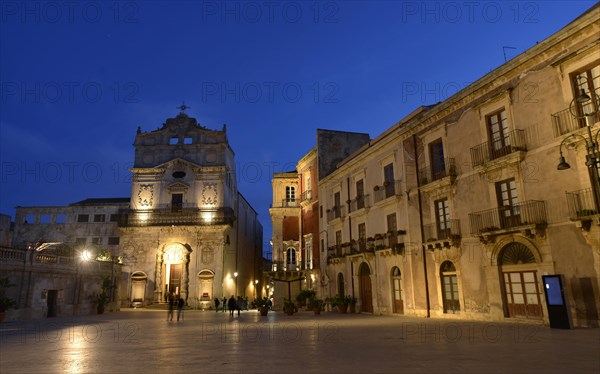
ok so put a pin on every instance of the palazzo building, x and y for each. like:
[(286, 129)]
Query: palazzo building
[(459, 209), (185, 230)]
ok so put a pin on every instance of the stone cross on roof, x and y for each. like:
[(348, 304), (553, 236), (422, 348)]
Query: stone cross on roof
[(183, 107)]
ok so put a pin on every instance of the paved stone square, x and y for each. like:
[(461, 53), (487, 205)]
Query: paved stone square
[(209, 342)]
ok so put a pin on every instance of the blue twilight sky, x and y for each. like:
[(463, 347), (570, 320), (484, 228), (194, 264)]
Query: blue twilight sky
[(77, 79)]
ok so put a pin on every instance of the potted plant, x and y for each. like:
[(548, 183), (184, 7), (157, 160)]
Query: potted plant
[(289, 307), (341, 303), (5, 302), (263, 305), (102, 297), (304, 296), (316, 305)]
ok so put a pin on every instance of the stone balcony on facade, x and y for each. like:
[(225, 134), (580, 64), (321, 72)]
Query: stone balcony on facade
[(528, 217)]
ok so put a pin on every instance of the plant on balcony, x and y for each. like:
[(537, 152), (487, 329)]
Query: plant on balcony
[(378, 236), (379, 247), (376, 188), (386, 183), (5, 302), (586, 212), (346, 244), (490, 228), (400, 232)]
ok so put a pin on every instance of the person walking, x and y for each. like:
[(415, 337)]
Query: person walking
[(180, 304), (171, 306), (231, 305), (239, 304), (224, 303), (217, 303)]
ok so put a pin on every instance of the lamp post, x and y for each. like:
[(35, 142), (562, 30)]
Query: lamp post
[(255, 285), (235, 276), (591, 142)]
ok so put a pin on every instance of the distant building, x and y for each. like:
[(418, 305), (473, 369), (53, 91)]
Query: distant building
[(185, 232)]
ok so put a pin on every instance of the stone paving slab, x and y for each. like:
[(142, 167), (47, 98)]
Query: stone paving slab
[(208, 342)]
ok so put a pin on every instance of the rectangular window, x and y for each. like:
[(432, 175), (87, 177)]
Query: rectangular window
[(187, 140), (497, 125), (45, 218), (442, 217), (392, 228), (322, 245), (509, 211), (30, 218), (61, 218), (80, 242), (97, 241), (362, 236), (114, 218), (176, 202), (173, 141), (388, 180), (587, 80), (113, 240), (320, 211), (337, 205), (99, 217), (82, 218), (436, 157), (360, 194), (338, 237)]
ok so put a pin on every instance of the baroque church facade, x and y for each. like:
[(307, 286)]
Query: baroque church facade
[(185, 231)]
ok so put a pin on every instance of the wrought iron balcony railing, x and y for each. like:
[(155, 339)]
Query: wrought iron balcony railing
[(512, 142), (448, 230), (360, 202), (335, 212), (506, 217), (564, 122), (389, 189), (432, 173), (186, 217), (306, 196), (581, 204)]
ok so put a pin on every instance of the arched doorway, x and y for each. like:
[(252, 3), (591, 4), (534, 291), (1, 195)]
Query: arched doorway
[(174, 268), (205, 286), (340, 285), (366, 294), (397, 299), (449, 281), (138, 288), (521, 291)]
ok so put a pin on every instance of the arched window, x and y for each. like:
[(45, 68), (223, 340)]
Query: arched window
[(291, 256)]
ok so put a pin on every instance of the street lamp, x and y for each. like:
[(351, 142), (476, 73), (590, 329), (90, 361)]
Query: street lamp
[(255, 285), (235, 276), (591, 144)]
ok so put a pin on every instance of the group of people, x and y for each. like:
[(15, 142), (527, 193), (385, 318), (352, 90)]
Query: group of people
[(232, 304), (175, 301)]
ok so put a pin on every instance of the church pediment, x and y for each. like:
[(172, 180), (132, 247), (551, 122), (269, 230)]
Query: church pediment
[(178, 162), (178, 186)]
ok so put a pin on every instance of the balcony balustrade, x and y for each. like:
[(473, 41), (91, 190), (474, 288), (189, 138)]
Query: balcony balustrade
[(564, 122), (581, 204), (485, 152), (532, 212), (168, 217), (433, 173), (389, 189), (360, 202)]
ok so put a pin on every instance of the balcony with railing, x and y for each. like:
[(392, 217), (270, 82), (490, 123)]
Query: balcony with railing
[(445, 172), (360, 202), (442, 234), (489, 151), (564, 122), (389, 189), (526, 216), (335, 213), (582, 205), (287, 203), (306, 196), (183, 217)]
